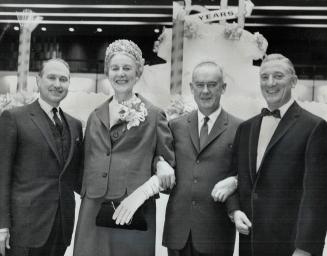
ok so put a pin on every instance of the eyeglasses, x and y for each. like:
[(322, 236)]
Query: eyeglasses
[(210, 85)]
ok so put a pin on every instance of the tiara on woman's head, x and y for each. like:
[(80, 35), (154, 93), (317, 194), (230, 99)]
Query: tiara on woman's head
[(124, 46)]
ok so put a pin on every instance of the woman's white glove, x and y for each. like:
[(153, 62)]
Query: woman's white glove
[(125, 211)]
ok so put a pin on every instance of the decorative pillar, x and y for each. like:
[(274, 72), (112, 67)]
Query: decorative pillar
[(176, 74), (223, 6), (241, 13), (28, 21)]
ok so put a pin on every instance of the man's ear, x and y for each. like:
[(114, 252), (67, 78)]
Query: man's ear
[(191, 87), (294, 81), (223, 88), (38, 78)]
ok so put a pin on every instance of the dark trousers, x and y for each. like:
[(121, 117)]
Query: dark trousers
[(54, 246), (188, 250)]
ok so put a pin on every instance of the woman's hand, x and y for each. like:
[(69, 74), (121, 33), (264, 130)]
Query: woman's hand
[(125, 211)]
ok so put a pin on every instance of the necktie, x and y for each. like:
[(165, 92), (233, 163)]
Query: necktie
[(57, 121), (204, 132), (266, 112)]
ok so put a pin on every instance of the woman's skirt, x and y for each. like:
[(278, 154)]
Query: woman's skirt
[(91, 240)]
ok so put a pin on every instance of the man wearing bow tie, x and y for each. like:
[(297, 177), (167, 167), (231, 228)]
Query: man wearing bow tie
[(40, 161), (281, 159), (197, 223)]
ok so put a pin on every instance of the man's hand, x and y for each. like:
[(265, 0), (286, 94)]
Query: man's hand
[(166, 174), (242, 223), (4, 241), (299, 252), (224, 188)]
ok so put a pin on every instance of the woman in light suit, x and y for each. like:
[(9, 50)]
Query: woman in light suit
[(124, 139)]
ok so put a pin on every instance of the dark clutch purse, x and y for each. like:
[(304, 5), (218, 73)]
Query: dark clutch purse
[(104, 217)]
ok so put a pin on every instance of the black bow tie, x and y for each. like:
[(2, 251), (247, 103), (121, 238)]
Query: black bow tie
[(266, 112)]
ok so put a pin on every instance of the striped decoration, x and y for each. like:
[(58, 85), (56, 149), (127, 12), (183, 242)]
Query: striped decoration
[(176, 75), (223, 6), (28, 22)]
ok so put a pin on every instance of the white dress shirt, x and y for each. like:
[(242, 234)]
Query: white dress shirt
[(47, 108), (212, 119), (267, 129)]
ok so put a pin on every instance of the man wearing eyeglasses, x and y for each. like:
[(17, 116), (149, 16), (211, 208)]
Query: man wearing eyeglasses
[(196, 221)]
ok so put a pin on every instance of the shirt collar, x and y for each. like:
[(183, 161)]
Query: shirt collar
[(47, 108), (212, 117), (283, 109)]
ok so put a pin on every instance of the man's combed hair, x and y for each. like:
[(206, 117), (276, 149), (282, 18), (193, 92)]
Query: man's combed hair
[(44, 63), (279, 57), (210, 63)]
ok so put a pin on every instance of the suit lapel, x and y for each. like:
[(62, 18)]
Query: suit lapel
[(103, 113), (72, 140), (284, 125), (218, 128), (39, 118), (193, 130), (253, 147)]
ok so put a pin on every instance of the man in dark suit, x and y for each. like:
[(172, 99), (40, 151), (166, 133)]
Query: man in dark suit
[(39, 169), (281, 159), (196, 223)]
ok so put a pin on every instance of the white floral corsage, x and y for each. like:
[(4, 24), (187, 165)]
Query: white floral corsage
[(133, 112)]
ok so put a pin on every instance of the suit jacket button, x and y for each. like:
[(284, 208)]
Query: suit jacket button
[(108, 153), (197, 161), (104, 175), (255, 196), (195, 181), (193, 203)]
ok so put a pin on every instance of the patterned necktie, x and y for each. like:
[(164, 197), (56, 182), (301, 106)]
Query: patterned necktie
[(57, 121), (204, 132), (266, 112)]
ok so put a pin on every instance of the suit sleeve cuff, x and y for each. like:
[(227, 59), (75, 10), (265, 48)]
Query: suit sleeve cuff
[(232, 203)]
